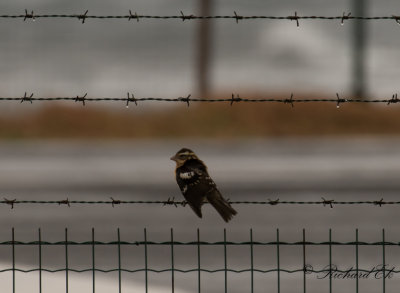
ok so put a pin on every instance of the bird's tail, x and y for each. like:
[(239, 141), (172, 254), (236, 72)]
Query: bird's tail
[(221, 205)]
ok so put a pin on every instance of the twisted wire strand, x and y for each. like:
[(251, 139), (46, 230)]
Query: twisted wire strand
[(195, 243), (172, 202), (191, 270), (183, 17), (187, 100)]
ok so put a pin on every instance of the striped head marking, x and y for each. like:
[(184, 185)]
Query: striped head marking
[(183, 155)]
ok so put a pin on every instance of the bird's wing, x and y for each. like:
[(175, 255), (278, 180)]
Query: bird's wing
[(191, 183), (207, 187)]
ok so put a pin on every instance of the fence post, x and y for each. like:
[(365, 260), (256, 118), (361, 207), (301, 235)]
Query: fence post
[(359, 37), (204, 48)]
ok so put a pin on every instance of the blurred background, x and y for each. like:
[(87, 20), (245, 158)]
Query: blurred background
[(60, 150)]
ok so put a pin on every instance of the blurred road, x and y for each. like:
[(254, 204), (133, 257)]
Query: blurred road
[(288, 169)]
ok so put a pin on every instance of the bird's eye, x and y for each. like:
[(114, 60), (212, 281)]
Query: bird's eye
[(181, 157)]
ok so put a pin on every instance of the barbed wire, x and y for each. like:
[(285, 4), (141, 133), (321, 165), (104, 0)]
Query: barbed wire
[(172, 202), (182, 16), (234, 99)]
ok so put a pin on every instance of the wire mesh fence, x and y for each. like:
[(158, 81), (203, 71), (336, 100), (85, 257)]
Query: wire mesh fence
[(264, 259)]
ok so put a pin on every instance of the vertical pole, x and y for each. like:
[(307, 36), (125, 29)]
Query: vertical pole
[(278, 260), (66, 260), (357, 260), (119, 262), (251, 261), (359, 45), (204, 48), (40, 261), (198, 260), (13, 258), (383, 262), (304, 261), (172, 262), (330, 260), (225, 263), (145, 262), (93, 264)]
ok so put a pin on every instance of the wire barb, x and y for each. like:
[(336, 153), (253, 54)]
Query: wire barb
[(289, 101), (83, 16), (308, 269), (396, 19), (379, 202), (295, 17), (237, 99), (29, 15), (64, 201), (129, 99), (133, 16), (26, 98), (393, 100), (339, 101), (184, 17), (10, 202), (345, 16), (81, 99), (237, 17), (186, 100), (171, 201), (328, 202), (114, 201), (273, 202)]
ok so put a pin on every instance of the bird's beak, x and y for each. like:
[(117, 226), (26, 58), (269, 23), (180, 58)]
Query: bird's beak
[(173, 158)]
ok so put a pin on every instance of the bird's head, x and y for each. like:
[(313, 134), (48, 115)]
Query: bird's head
[(183, 155)]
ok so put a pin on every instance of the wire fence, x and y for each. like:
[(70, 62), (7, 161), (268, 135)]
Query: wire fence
[(172, 202), (271, 266), (234, 99), (182, 16)]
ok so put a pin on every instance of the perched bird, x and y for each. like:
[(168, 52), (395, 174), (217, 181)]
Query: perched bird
[(197, 186)]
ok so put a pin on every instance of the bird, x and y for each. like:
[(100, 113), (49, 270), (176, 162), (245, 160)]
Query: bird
[(197, 186)]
